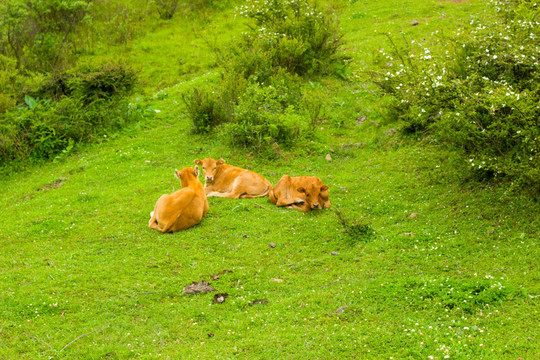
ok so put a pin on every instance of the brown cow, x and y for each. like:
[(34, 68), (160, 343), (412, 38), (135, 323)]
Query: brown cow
[(302, 193), (229, 181), (182, 209)]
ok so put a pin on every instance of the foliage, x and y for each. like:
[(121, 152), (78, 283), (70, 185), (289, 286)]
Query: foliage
[(294, 35), (482, 97), (259, 96), (204, 109), (166, 8), (40, 34), (264, 119), (76, 106), (46, 128), (468, 296)]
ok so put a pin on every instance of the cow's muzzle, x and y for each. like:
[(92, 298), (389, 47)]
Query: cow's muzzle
[(315, 206)]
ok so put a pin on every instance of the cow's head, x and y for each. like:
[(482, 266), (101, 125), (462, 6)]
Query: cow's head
[(315, 194), (210, 168), (187, 175)]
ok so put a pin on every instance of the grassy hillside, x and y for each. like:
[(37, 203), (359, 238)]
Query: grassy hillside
[(429, 264)]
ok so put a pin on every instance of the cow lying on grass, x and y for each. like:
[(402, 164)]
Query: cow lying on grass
[(302, 193), (184, 208), (229, 181)]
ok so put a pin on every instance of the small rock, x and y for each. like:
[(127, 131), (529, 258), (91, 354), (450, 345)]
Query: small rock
[(276, 280), (390, 131), (210, 335), (340, 310), (220, 298), (335, 253), (361, 119), (413, 215), (328, 158), (198, 287), (414, 22), (272, 245)]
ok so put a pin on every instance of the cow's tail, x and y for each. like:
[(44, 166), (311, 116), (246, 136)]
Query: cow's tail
[(265, 193)]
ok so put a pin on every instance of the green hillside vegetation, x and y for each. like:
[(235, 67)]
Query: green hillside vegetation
[(423, 124)]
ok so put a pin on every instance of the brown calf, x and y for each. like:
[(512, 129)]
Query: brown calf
[(304, 193), (182, 209), (229, 181)]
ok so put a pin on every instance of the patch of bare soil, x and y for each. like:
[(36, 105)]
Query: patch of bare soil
[(198, 287)]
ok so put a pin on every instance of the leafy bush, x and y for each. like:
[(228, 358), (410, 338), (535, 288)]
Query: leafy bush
[(259, 100), (293, 35), (76, 107), (166, 8), (40, 34), (263, 120), (89, 83), (46, 128), (204, 109), (481, 96)]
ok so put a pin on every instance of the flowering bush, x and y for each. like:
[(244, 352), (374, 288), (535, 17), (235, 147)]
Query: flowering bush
[(481, 95), (293, 34)]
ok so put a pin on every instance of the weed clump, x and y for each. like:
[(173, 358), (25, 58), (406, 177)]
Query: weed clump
[(357, 229)]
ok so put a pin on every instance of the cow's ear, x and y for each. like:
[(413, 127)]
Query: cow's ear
[(220, 162), (301, 189), (197, 161), (178, 173), (196, 171), (324, 188)]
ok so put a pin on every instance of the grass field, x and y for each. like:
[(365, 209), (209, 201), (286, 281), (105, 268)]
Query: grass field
[(429, 265)]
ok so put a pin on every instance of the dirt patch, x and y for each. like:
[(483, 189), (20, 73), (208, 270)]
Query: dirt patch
[(198, 287), (54, 185)]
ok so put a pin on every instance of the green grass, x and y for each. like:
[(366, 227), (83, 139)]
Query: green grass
[(83, 277)]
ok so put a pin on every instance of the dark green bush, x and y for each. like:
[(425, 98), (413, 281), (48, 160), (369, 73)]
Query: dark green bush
[(89, 83), (46, 128), (166, 8), (41, 34), (205, 110), (293, 35), (262, 121), (75, 107), (481, 96)]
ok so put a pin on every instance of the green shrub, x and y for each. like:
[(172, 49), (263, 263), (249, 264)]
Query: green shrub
[(89, 83), (293, 35), (263, 121), (204, 109), (41, 34), (75, 107), (481, 96)]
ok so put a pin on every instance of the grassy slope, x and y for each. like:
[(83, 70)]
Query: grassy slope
[(78, 262)]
